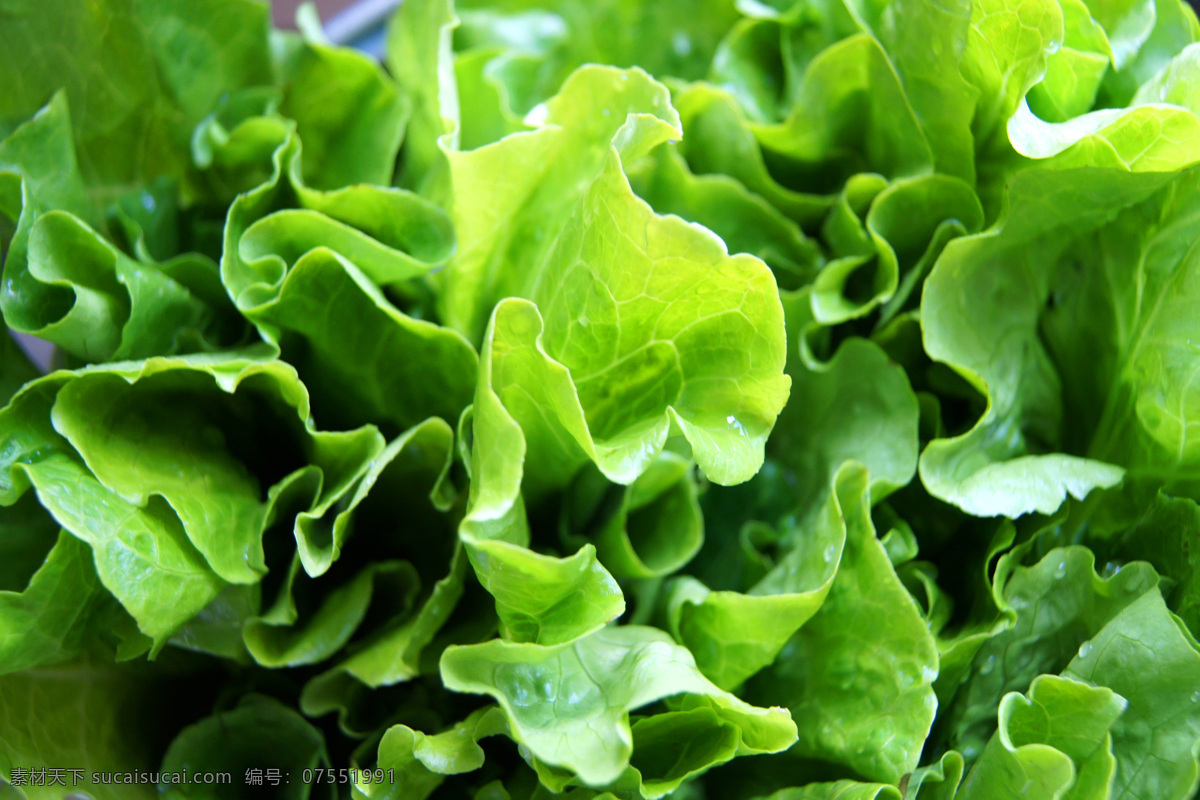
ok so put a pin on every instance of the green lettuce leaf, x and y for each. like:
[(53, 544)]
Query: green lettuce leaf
[(419, 54), (106, 453), (850, 115), (927, 42), (1027, 453), (1148, 657), (1005, 56), (1052, 609), (745, 221), (1174, 28), (547, 401), (734, 635), (323, 602), (50, 620), (1166, 533), (1074, 72), (82, 272), (858, 677), (570, 704), (155, 87), (648, 529), (65, 282), (282, 637), (1053, 742), (412, 473), (283, 264), (348, 112), (422, 760), (719, 140), (937, 781)]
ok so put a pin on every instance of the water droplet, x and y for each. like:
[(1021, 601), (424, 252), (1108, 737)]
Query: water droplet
[(829, 552), (1085, 649), (1111, 569), (1196, 696), (681, 43), (988, 666), (1060, 570)]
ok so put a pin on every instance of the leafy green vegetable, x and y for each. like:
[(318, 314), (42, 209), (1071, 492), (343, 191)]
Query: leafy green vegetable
[(614, 400)]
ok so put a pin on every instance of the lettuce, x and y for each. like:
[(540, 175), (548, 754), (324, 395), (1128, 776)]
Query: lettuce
[(602, 400)]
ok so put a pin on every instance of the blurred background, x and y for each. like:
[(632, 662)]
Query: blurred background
[(284, 11)]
